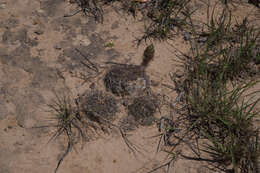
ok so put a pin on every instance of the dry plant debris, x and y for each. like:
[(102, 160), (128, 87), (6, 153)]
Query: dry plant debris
[(98, 106), (69, 123), (143, 109)]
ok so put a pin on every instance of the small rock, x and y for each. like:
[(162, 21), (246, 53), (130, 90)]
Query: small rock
[(39, 32), (92, 86), (18, 143), (254, 2), (3, 112), (115, 25), (154, 83), (81, 40), (202, 39), (179, 74), (3, 5), (58, 46), (40, 11), (12, 22), (253, 68), (125, 102), (186, 36)]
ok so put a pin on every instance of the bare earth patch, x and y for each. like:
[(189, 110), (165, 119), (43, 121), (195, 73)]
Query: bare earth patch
[(42, 52)]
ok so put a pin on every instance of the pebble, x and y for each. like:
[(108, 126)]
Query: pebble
[(3, 5), (81, 40), (39, 32), (186, 36), (58, 46), (202, 39), (125, 102), (155, 83), (179, 74), (92, 86)]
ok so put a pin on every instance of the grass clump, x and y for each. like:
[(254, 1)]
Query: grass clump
[(69, 123), (77, 118), (221, 112), (243, 55), (81, 118), (229, 50), (90, 8), (218, 110), (217, 107), (220, 116), (166, 16)]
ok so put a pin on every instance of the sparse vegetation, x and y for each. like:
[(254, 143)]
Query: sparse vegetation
[(219, 115), (165, 16), (81, 118), (69, 122), (229, 49), (109, 44), (189, 103), (90, 8), (217, 108), (216, 104), (75, 117)]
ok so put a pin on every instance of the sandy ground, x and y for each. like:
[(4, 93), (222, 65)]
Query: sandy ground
[(38, 57)]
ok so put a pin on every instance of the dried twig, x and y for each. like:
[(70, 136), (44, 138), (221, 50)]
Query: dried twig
[(91, 65)]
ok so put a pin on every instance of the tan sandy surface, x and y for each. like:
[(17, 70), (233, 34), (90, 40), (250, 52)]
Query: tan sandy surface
[(38, 57)]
